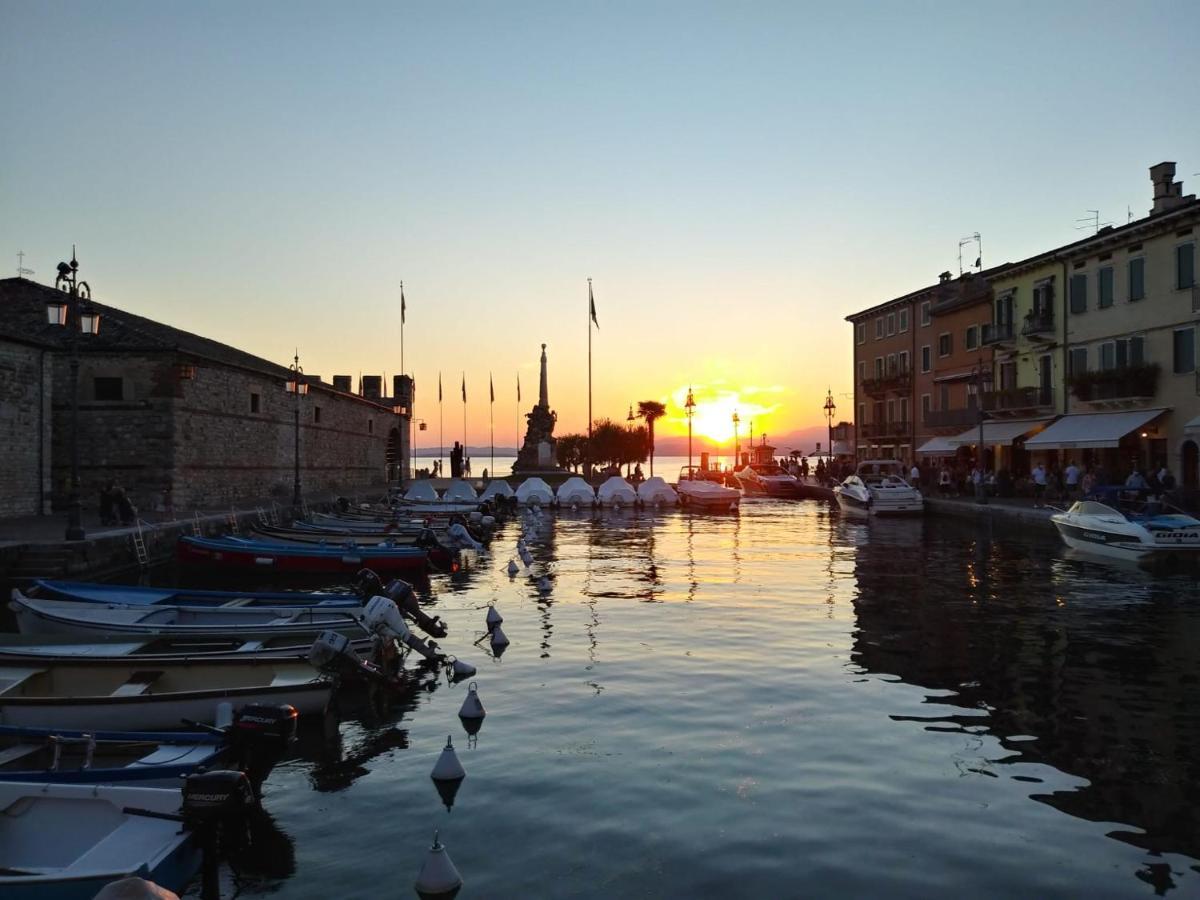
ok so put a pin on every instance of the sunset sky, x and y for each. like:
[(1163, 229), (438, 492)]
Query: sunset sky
[(736, 178)]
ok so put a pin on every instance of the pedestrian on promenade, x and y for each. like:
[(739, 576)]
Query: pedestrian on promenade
[(1088, 484), (944, 481), (1039, 486), (914, 475), (1072, 479)]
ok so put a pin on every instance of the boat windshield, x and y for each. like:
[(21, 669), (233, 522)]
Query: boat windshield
[(888, 480), (1092, 508)]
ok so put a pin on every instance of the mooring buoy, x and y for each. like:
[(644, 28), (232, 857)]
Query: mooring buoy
[(471, 707), (499, 638), (438, 879), (513, 568), (493, 616)]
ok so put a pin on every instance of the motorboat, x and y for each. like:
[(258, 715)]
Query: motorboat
[(767, 480), (497, 487), (275, 556), (697, 492), (48, 649), (137, 595), (460, 492), (616, 491), (1144, 533), (533, 491), (421, 491), (878, 488), (129, 695), (36, 616), (655, 491), (67, 841), (575, 492), (146, 759)]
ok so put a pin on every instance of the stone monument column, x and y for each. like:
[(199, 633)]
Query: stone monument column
[(543, 391)]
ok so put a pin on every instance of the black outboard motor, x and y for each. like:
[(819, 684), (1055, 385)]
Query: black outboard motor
[(367, 584), (260, 735), (427, 540), (402, 594), (215, 806)]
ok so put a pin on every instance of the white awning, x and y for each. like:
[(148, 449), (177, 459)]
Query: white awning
[(1193, 425), (999, 432), (939, 446), (1091, 430)]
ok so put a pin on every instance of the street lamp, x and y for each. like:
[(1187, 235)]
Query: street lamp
[(736, 454), (689, 410), (983, 383), (420, 423), (298, 386), (630, 419), (830, 408), (61, 313)]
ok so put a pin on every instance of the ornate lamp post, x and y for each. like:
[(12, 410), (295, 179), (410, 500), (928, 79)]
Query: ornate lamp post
[(298, 386), (736, 454), (66, 313), (830, 408), (983, 383), (629, 419), (689, 410)]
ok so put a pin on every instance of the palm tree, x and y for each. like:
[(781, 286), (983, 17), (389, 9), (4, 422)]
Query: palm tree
[(651, 410)]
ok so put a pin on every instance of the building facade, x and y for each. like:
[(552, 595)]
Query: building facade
[(180, 421)]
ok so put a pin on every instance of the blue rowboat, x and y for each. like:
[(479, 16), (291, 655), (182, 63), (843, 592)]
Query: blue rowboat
[(134, 595), (272, 556), (137, 758)]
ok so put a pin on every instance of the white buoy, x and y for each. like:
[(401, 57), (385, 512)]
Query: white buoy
[(134, 888), (438, 879), (471, 707), (447, 767), (499, 638), (461, 669), (513, 568), (493, 616)]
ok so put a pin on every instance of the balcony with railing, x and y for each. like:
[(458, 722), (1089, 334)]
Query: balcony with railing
[(996, 333), (1019, 401), (1039, 325), (1121, 387), (957, 419), (893, 379), (897, 429)]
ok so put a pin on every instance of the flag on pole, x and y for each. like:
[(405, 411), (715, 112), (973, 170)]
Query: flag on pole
[(491, 387), (403, 305), (439, 387), (464, 387), (592, 305)]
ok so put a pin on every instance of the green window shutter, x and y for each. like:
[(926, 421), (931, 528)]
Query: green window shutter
[(1079, 293), (1137, 279)]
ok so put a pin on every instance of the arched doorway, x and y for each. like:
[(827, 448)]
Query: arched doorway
[(394, 455), (1190, 461)]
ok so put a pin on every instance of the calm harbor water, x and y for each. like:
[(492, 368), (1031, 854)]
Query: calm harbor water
[(782, 703)]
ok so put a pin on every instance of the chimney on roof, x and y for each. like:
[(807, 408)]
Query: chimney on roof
[(342, 383), (1168, 193), (372, 386), (944, 277)]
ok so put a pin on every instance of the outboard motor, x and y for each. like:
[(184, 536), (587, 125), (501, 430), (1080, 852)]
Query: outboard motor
[(405, 598), (260, 735), (332, 654), (382, 618), (367, 584), (427, 540), (215, 808)]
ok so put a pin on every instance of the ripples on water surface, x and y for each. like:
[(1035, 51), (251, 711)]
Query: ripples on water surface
[(778, 704)]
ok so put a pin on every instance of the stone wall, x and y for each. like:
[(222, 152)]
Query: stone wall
[(229, 447), (24, 429)]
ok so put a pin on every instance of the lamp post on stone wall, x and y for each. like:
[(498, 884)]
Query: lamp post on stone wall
[(830, 408), (298, 386), (75, 315), (736, 420), (689, 409)]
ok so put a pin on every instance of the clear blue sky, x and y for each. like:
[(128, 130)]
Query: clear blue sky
[(735, 177)]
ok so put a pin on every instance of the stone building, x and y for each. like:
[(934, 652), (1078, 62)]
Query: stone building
[(182, 422)]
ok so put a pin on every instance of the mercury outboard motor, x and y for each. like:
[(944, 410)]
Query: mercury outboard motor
[(382, 618), (402, 594), (215, 807), (427, 540), (332, 654), (260, 735), (367, 584)]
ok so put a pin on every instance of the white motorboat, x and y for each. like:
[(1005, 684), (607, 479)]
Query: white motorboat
[(697, 492), (656, 492), (534, 492), (767, 480), (497, 487), (67, 841), (421, 491), (616, 491), (1142, 535), (17, 649), (878, 488), (131, 695), (461, 492), (575, 492), (35, 616)]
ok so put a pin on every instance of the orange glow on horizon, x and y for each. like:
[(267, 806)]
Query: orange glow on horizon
[(715, 407)]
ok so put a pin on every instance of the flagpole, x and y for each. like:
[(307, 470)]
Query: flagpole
[(464, 396), (441, 427), (492, 423), (411, 394), (589, 328)]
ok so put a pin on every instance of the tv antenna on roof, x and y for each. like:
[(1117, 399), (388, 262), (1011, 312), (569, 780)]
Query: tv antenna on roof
[(21, 270), (1092, 221), (978, 252)]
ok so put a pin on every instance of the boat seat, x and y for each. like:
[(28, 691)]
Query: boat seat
[(138, 683), (12, 754)]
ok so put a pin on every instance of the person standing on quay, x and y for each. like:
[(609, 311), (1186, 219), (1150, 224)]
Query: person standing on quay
[(914, 475), (1039, 486), (1072, 479)]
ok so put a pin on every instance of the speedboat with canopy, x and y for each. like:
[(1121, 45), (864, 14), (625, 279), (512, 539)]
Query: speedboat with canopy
[(1138, 533), (697, 492), (878, 488)]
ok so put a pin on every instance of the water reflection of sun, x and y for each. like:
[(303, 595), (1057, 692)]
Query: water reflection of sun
[(714, 414)]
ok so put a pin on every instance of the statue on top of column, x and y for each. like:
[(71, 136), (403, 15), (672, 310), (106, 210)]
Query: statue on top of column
[(537, 452)]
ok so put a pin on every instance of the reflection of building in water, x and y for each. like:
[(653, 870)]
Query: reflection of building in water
[(1107, 688)]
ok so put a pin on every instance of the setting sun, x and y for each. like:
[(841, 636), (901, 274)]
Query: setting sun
[(715, 407)]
